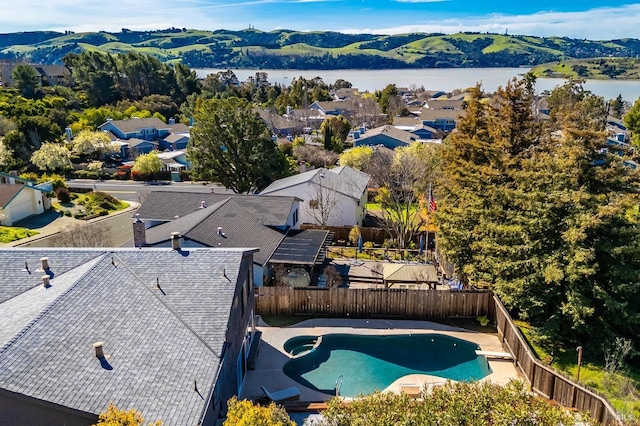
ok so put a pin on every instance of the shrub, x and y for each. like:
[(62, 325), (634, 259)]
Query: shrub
[(58, 181), (368, 244), (67, 213), (63, 195)]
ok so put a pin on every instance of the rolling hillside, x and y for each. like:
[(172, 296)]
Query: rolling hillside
[(280, 49)]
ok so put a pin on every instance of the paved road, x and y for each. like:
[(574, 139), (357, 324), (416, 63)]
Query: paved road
[(120, 225)]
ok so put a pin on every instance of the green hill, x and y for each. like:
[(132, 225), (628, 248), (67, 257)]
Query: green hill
[(316, 50)]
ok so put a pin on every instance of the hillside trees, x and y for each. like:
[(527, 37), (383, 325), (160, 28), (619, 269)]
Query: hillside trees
[(107, 78), (231, 145), (542, 214), (25, 80)]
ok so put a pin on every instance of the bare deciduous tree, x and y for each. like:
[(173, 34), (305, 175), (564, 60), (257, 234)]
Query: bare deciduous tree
[(323, 199), (83, 235)]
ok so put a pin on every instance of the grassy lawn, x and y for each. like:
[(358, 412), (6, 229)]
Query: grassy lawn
[(10, 233), (284, 320), (619, 388)]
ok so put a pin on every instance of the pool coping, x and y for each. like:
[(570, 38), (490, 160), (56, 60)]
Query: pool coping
[(272, 356)]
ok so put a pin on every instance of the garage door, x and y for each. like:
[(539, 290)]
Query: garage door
[(20, 210)]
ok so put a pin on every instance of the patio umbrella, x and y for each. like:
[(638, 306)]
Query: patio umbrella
[(421, 243), (360, 243)]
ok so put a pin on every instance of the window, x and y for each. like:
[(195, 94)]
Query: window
[(295, 217), (314, 204)]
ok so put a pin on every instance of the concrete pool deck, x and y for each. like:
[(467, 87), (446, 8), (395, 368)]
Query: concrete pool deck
[(272, 356)]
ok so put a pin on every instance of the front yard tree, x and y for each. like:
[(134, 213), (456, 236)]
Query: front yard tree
[(147, 164), (51, 156), (93, 144), (231, 145)]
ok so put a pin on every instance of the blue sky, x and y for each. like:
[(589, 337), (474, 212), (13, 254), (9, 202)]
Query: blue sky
[(592, 19)]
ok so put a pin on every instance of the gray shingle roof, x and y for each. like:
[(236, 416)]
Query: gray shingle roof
[(345, 180), (239, 227), (135, 124), (165, 205), (15, 279), (158, 342)]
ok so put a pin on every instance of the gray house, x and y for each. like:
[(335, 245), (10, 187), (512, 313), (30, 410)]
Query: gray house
[(164, 331)]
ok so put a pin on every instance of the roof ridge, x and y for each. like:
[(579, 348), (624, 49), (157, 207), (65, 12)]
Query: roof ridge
[(55, 302), (142, 282)]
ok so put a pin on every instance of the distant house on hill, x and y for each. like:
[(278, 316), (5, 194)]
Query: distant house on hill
[(48, 75), (164, 331)]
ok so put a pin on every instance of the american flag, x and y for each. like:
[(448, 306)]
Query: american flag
[(432, 202)]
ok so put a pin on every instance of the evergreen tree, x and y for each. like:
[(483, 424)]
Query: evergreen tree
[(231, 144)]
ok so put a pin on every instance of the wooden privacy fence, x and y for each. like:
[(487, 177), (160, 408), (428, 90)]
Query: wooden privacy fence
[(437, 305), (544, 380), (373, 303)]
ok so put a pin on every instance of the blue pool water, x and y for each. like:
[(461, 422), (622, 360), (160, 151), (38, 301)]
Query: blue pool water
[(370, 363)]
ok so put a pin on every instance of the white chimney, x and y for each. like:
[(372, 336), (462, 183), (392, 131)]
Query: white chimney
[(99, 348), (45, 263), (175, 240), (46, 283)]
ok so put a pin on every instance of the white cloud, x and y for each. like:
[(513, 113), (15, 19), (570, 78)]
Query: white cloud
[(596, 24)]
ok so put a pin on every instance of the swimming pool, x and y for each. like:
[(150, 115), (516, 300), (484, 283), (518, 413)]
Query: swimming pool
[(369, 363)]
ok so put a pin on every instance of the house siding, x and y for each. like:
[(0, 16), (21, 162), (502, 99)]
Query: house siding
[(240, 317)]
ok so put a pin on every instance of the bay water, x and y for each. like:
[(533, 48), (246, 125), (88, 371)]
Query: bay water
[(445, 79)]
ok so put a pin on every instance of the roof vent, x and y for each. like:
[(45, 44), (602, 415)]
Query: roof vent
[(99, 348), (45, 263), (203, 204), (175, 240), (46, 282), (222, 234)]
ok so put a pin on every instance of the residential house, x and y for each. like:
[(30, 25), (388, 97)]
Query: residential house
[(21, 198), (151, 130), (48, 75), (174, 161), (270, 223), (164, 331), (332, 197), (279, 125), (388, 136), (415, 127), (444, 120), (326, 108)]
